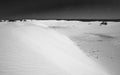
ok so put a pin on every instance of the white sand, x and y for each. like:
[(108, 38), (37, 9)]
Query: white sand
[(28, 49)]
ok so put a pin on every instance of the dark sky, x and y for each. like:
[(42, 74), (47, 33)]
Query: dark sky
[(60, 9)]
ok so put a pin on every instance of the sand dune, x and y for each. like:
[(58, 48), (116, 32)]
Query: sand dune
[(37, 50)]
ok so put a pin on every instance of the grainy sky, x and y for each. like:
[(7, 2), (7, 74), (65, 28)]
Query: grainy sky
[(60, 9)]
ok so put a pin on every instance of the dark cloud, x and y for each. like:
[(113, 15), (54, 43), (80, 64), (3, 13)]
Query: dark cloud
[(16, 8)]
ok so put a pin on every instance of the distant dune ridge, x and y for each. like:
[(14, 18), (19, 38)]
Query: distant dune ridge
[(38, 50)]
